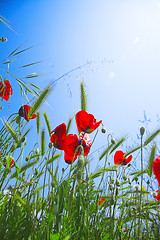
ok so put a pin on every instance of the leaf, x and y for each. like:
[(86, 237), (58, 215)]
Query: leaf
[(53, 158), (105, 152), (137, 173), (39, 101), (24, 168), (100, 171), (118, 144), (11, 131), (43, 142), (83, 97), (151, 137), (150, 162), (131, 151), (38, 189), (47, 123), (68, 126)]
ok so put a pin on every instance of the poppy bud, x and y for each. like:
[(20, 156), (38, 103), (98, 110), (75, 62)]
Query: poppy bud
[(50, 144), (103, 130), (37, 151), (117, 191), (36, 172), (110, 187), (113, 141), (117, 182), (23, 139), (112, 180), (53, 184), (18, 119), (129, 180), (63, 170), (148, 182), (124, 177), (79, 175), (142, 130), (136, 179), (80, 161), (27, 158)]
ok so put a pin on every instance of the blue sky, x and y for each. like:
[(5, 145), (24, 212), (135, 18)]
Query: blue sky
[(120, 41)]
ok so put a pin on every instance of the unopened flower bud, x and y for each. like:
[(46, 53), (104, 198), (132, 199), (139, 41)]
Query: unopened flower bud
[(112, 180), (37, 151), (148, 182), (18, 119), (50, 144), (112, 201), (142, 130), (117, 191), (124, 177), (23, 139), (79, 175), (117, 182), (129, 180), (113, 141), (80, 162), (27, 158), (103, 130)]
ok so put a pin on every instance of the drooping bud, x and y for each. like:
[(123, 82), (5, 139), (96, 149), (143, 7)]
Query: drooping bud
[(27, 158), (113, 141), (117, 182), (37, 151), (80, 162), (124, 177), (103, 130), (79, 175), (117, 191), (50, 144), (142, 130), (18, 119)]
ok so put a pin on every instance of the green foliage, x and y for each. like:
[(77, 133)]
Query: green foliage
[(47, 123), (150, 162)]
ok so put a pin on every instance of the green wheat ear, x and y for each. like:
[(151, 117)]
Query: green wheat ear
[(42, 142), (83, 97), (47, 123), (150, 162), (38, 122)]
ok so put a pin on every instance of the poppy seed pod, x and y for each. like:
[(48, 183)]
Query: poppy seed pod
[(142, 130), (80, 161)]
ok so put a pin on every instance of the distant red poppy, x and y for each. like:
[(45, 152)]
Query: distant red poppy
[(12, 162), (58, 136), (158, 196), (71, 144), (24, 112), (156, 168), (101, 201), (5, 90), (120, 160), (86, 122)]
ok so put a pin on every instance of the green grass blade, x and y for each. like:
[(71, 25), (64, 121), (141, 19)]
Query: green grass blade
[(39, 101), (38, 122), (53, 159), (68, 126), (43, 142), (151, 137)]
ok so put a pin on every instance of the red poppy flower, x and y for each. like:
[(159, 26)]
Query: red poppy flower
[(71, 144), (24, 112), (86, 122), (5, 90), (101, 201), (158, 196), (120, 160), (58, 136), (156, 168)]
